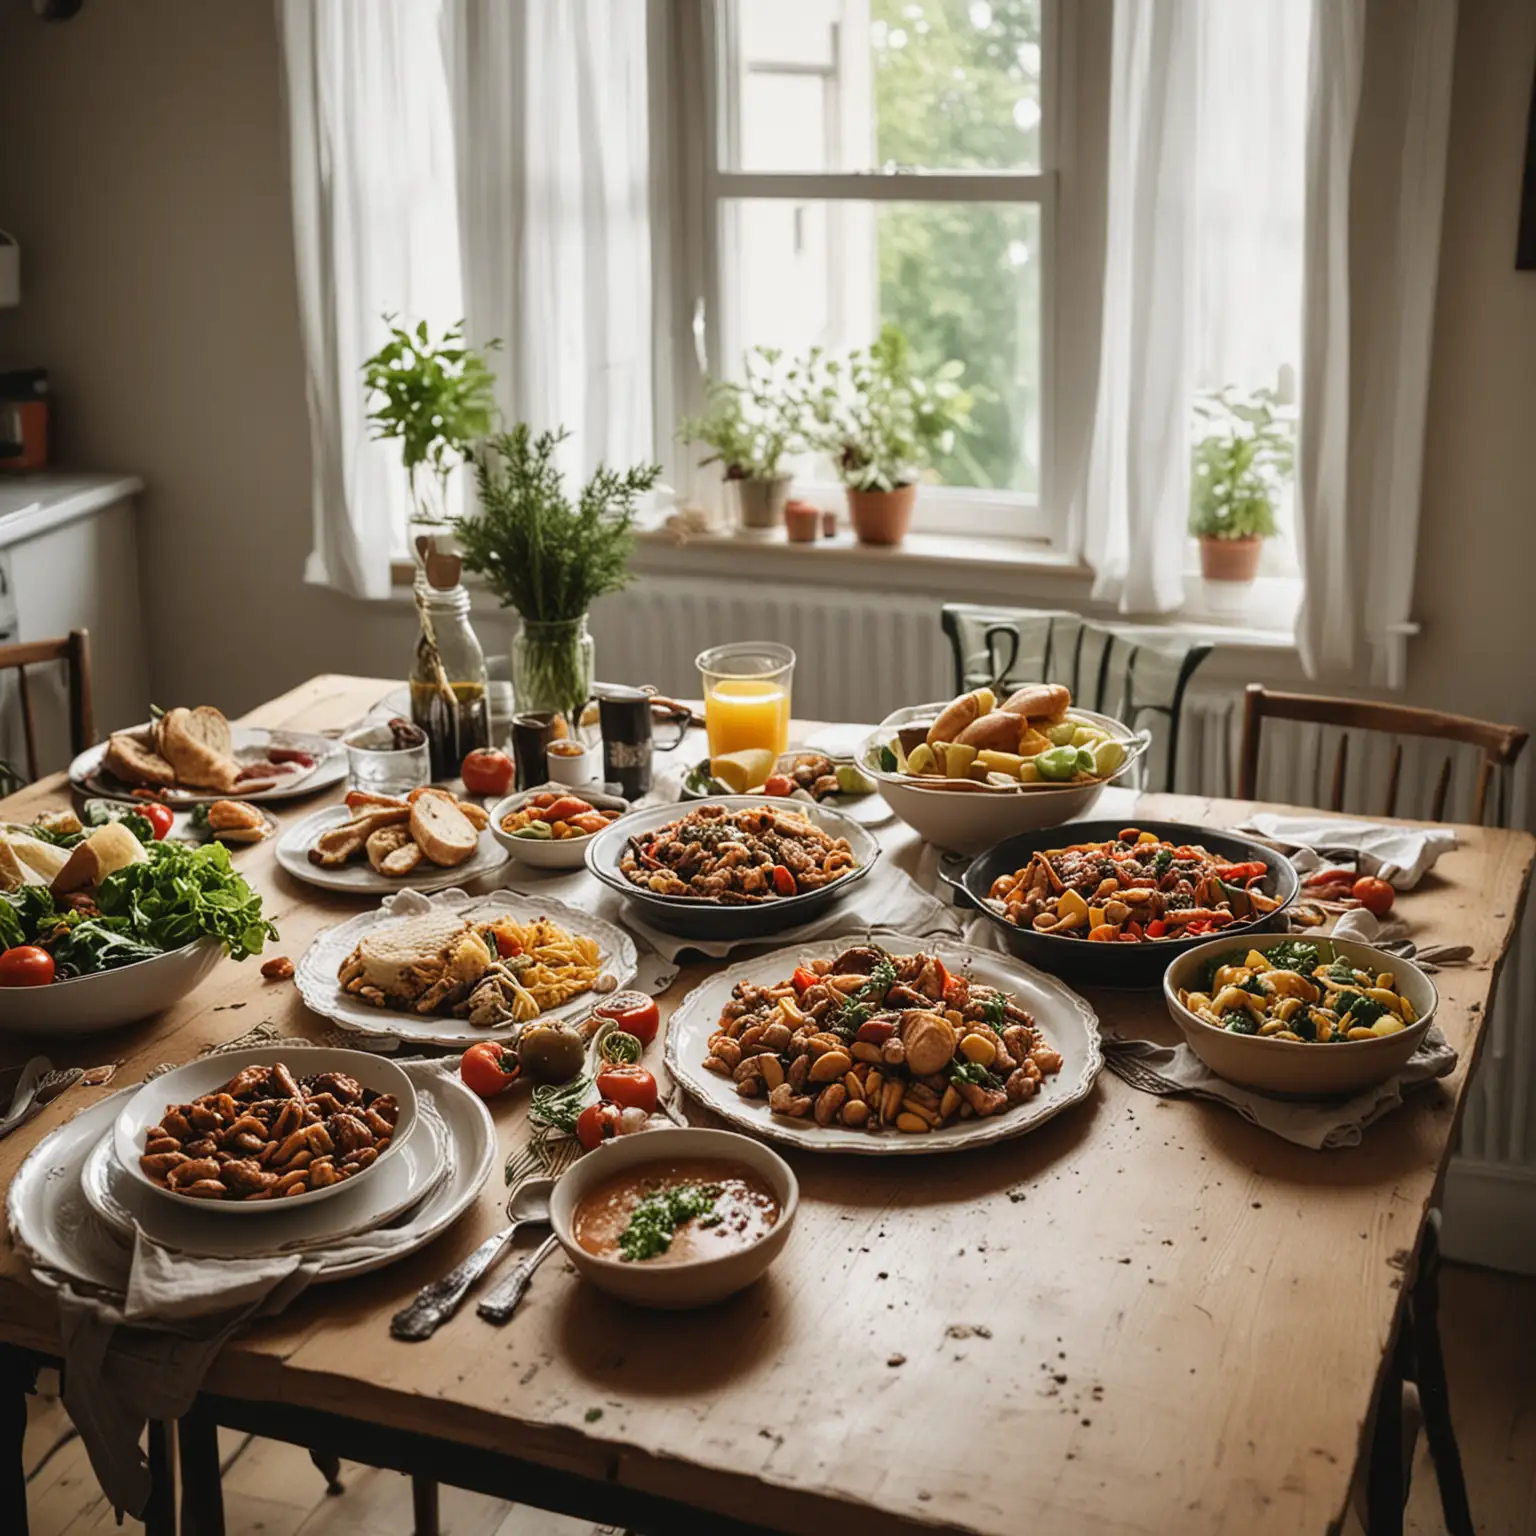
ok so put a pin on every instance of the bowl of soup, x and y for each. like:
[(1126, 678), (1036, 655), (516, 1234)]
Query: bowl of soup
[(675, 1218)]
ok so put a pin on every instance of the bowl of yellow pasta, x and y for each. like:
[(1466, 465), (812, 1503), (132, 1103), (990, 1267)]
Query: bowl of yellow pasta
[(1298, 1016)]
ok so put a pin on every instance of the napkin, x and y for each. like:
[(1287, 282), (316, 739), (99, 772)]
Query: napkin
[(1399, 855), (143, 1354), (1175, 1069)]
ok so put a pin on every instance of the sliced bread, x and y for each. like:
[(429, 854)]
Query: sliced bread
[(441, 830), (134, 762)]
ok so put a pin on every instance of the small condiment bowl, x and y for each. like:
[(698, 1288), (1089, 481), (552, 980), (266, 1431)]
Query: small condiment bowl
[(696, 1282), (547, 853)]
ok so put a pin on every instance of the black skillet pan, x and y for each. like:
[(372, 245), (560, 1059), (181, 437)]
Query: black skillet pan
[(1115, 965)]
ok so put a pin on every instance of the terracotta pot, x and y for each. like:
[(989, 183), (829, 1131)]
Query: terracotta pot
[(802, 522), (1230, 559), (881, 517), (762, 501)]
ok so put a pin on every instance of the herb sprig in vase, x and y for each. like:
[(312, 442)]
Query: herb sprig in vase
[(550, 558)]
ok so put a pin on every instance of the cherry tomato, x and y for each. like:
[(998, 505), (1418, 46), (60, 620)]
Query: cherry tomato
[(486, 1068), (487, 772), (779, 784), (158, 816), (596, 1124), (628, 1087), (783, 881), (634, 1013), (1376, 896), (26, 966)]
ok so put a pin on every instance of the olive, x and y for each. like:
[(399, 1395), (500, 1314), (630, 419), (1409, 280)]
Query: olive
[(551, 1054)]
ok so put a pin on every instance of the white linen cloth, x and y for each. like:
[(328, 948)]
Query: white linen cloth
[(143, 1354), (1372, 262), (1401, 856), (1324, 1126)]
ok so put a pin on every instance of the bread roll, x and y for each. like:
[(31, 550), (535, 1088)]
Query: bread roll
[(1038, 701), (996, 731), (958, 714)]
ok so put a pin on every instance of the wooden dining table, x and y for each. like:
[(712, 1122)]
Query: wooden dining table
[(1146, 1316)]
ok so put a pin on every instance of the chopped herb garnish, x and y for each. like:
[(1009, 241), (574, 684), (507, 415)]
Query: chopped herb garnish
[(973, 1072), (1161, 860), (1342, 971), (658, 1216), (1294, 955), (994, 1010), (861, 1004), (557, 1105)]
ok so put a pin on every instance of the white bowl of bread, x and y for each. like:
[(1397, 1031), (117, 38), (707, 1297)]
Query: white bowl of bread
[(965, 774)]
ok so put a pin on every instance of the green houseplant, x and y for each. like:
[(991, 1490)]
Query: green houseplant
[(882, 424), (749, 426), (548, 557), (1242, 461)]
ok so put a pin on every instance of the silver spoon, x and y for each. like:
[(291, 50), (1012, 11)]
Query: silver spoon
[(499, 1306), (437, 1302)]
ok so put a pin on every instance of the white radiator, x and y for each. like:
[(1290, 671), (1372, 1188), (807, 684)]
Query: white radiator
[(863, 654)]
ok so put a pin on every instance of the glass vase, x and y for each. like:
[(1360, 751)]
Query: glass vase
[(552, 667)]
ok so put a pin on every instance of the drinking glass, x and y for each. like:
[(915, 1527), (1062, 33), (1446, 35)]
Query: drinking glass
[(746, 695), (381, 760)]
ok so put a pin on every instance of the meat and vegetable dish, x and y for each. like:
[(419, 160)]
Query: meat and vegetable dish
[(878, 1041), (556, 818), (736, 857), (268, 1135), (1295, 991), (1132, 889)]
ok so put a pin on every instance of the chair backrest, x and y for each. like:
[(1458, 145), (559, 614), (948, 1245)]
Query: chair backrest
[(74, 650), (1136, 674), (1500, 746)]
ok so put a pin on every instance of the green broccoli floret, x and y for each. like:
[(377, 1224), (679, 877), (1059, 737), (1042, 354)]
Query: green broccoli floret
[(1359, 1012), (1239, 1022)]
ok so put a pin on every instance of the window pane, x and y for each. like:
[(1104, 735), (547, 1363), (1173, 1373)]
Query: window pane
[(961, 279), (930, 84)]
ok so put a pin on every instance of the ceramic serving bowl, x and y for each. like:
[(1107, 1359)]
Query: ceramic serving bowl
[(1299, 1069), (965, 817), (538, 853), (209, 1073), (697, 1283), (87, 1005)]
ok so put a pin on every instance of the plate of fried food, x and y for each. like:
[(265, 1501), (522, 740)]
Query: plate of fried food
[(425, 841), (453, 969), (188, 756), (884, 1044)]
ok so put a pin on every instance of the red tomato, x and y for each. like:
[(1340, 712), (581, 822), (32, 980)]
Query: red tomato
[(158, 816), (486, 1068), (783, 881), (779, 784), (1376, 896), (628, 1087), (487, 772), (596, 1124), (633, 1012), (26, 966)]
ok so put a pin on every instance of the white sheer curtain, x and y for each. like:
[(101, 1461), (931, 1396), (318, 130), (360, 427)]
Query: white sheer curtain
[(1373, 255), (483, 159), (370, 142)]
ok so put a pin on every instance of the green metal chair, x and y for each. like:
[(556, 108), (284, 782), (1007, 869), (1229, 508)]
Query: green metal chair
[(1137, 673)]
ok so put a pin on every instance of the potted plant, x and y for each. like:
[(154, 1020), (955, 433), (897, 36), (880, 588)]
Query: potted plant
[(437, 399), (883, 426), (549, 558), (750, 427), (1241, 465)]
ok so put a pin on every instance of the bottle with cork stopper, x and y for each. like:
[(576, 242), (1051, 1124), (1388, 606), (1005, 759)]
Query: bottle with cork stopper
[(448, 680)]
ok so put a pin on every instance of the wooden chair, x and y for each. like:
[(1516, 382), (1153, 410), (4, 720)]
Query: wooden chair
[(75, 651), (1136, 673), (1500, 745)]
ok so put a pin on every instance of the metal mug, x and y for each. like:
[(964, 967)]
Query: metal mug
[(531, 736), (629, 738)]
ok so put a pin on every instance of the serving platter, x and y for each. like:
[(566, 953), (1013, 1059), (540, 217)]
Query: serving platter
[(1066, 1020), (360, 878), (60, 1235), (251, 745), (316, 980)]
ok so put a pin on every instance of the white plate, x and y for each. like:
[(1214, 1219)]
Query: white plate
[(569, 852), (364, 1204), (60, 1236), (360, 878), (1065, 1019), (251, 744), (318, 986), (207, 1074)]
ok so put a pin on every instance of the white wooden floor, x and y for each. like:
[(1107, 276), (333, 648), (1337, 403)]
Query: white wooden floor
[(1488, 1322)]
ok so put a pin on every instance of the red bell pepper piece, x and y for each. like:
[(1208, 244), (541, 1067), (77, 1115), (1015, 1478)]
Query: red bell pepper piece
[(803, 979), (1156, 929), (783, 881)]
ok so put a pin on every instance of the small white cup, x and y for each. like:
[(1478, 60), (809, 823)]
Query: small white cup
[(572, 762)]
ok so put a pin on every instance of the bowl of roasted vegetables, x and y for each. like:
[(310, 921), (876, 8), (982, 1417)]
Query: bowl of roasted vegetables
[(971, 772), (1112, 904), (1300, 1016), (550, 827)]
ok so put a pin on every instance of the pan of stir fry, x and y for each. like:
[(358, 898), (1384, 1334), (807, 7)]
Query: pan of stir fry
[(736, 867), (1113, 906)]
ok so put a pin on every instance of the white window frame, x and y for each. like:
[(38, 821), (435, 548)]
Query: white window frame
[(692, 189)]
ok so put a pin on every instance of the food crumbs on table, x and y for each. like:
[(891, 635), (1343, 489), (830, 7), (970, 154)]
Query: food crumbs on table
[(592, 1415), (895, 1360)]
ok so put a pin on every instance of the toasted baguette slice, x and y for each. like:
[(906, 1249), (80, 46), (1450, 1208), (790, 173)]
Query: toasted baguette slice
[(130, 760), (402, 861), (107, 850), (184, 740), (385, 841), (442, 831), (212, 729)]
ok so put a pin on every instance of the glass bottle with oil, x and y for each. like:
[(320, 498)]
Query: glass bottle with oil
[(448, 681)]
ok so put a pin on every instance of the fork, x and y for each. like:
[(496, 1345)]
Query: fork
[(49, 1086)]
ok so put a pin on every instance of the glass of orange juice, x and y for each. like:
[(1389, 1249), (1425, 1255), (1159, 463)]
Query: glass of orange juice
[(746, 695)]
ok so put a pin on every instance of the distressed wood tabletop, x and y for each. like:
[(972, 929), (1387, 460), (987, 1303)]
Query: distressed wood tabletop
[(1147, 1316)]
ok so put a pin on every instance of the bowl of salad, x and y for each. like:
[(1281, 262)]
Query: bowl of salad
[(103, 925), (550, 826)]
